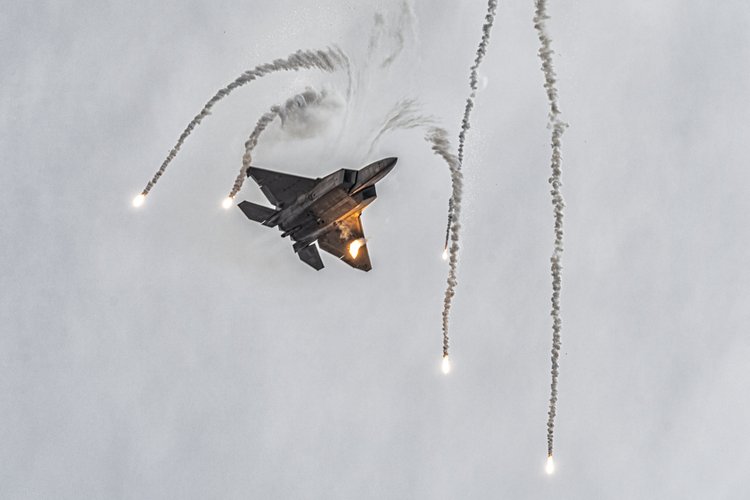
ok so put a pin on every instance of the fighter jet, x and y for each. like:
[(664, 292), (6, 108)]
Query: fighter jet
[(325, 210)]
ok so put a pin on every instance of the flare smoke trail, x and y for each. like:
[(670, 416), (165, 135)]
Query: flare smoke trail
[(405, 116), (307, 98), (450, 218), (328, 60), (395, 31), (558, 127), (441, 147), (438, 138), (489, 20)]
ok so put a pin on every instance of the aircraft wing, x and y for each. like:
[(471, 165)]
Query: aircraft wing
[(337, 242), (281, 189)]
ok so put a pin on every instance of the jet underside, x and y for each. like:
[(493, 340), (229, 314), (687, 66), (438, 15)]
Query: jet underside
[(325, 210)]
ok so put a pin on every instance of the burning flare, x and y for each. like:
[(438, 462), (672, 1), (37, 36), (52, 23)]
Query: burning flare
[(138, 200), (446, 365), (550, 467), (445, 254), (354, 247), (227, 203)]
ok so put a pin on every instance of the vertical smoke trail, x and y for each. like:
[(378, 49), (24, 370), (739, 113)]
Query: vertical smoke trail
[(307, 98), (558, 127), (489, 20), (450, 218), (328, 60), (441, 147)]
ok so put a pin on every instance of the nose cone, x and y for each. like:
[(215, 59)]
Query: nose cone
[(387, 165), (373, 172)]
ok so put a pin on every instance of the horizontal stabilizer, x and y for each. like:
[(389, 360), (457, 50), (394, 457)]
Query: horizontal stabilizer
[(257, 212), (310, 256)]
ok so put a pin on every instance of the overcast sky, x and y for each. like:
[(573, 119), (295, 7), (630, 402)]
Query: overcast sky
[(182, 351)]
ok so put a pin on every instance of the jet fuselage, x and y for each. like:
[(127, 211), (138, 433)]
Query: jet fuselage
[(308, 209)]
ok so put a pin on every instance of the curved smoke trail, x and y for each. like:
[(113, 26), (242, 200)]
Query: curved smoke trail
[(438, 138), (307, 98), (328, 60), (405, 116), (558, 127)]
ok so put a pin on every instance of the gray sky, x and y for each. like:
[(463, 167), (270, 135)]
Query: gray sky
[(180, 351)]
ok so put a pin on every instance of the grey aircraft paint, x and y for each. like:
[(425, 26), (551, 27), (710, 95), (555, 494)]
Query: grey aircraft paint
[(325, 210)]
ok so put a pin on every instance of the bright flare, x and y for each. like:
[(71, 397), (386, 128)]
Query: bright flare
[(446, 365), (354, 247), (550, 467), (227, 203), (445, 254), (138, 200)]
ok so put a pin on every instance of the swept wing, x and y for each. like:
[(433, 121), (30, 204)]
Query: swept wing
[(281, 189), (338, 241)]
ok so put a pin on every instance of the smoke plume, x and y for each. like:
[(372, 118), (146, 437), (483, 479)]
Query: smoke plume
[(558, 127), (328, 60), (450, 218), (438, 139), (393, 32), (293, 111), (405, 115)]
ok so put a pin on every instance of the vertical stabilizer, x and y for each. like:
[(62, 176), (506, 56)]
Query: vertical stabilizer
[(310, 256)]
